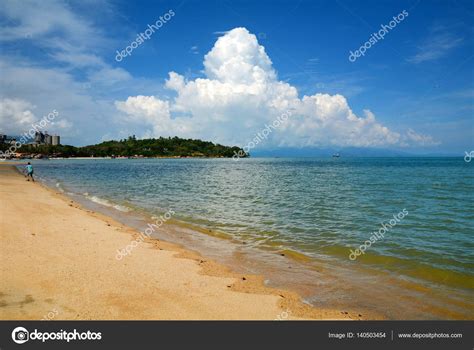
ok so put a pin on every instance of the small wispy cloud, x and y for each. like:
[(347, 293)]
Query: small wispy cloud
[(423, 140), (220, 32), (439, 44), (194, 50)]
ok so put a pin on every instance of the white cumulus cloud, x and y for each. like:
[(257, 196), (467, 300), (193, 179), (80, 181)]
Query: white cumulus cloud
[(15, 114), (241, 93), (17, 117)]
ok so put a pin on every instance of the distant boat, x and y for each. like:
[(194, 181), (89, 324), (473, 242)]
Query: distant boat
[(336, 155)]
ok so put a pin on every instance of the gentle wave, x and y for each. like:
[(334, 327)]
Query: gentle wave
[(107, 203), (59, 187)]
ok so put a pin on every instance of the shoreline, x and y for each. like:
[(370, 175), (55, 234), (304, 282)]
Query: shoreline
[(62, 258), (46, 157)]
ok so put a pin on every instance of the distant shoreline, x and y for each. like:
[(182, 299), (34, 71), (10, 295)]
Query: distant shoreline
[(128, 148), (112, 158), (253, 157)]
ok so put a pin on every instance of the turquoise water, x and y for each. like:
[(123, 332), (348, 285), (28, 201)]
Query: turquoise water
[(321, 208)]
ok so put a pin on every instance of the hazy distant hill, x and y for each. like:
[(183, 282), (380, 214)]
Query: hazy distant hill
[(344, 152)]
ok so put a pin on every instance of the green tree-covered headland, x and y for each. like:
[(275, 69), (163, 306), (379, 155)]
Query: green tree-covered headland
[(131, 147)]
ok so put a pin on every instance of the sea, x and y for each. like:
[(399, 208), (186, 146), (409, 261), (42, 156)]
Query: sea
[(388, 238)]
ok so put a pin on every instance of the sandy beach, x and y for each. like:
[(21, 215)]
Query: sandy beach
[(58, 262)]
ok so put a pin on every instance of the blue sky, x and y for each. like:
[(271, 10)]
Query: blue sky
[(411, 91)]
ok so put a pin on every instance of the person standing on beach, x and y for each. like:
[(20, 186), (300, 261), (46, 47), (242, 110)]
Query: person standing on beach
[(29, 172)]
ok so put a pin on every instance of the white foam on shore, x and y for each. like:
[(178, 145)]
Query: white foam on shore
[(58, 186), (107, 203), (94, 199)]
